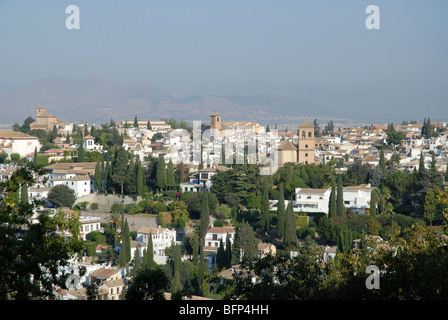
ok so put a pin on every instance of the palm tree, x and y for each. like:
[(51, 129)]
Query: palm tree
[(115, 220)]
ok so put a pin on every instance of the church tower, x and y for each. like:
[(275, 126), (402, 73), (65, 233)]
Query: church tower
[(305, 151)]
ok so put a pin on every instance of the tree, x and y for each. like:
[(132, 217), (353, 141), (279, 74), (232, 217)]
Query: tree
[(149, 284), (245, 244), (31, 260), (131, 178), (382, 163), (62, 196), (176, 284), (125, 251), (81, 153), (332, 201), (430, 206), (281, 212), (340, 208), (135, 122), (290, 240), (98, 177), (24, 194), (170, 181), (265, 221), (139, 178), (205, 219), (221, 256), (373, 202), (119, 168), (161, 174)]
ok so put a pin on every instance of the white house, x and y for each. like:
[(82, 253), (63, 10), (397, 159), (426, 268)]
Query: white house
[(215, 235), (312, 200), (82, 185), (162, 238), (356, 198), (18, 142), (201, 180), (88, 224), (89, 144)]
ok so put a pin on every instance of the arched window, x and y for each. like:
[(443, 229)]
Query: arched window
[(309, 134)]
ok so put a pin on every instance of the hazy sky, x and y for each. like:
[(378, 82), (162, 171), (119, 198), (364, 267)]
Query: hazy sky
[(182, 45)]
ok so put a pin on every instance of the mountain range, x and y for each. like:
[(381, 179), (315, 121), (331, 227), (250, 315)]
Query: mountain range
[(96, 100)]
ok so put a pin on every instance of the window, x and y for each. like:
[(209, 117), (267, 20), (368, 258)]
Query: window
[(306, 146), (346, 202)]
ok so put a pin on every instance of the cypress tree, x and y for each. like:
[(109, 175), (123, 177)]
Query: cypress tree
[(135, 122), (35, 159), (176, 284), (421, 164), (195, 246), (170, 181), (139, 178), (265, 207), (290, 227), (161, 180), (228, 261), (221, 256), (131, 178), (137, 262), (150, 262), (373, 202), (81, 153), (382, 163), (340, 208), (332, 201), (98, 177), (24, 194), (205, 219), (107, 177), (119, 168), (281, 212)]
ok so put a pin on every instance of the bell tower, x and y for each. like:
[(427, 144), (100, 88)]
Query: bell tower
[(305, 151)]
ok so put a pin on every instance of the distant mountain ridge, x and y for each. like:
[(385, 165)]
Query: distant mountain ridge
[(97, 100)]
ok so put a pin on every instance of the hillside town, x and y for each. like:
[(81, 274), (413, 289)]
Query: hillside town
[(204, 202)]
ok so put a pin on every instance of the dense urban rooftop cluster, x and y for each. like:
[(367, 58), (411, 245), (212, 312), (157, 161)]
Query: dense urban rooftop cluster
[(149, 199)]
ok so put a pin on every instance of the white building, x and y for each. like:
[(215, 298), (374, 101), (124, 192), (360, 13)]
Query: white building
[(89, 144), (162, 238), (312, 200), (82, 185), (356, 198), (18, 142), (88, 224), (214, 236)]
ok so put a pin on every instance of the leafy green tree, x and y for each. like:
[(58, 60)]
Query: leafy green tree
[(62, 196), (245, 244), (149, 284), (24, 194), (30, 261)]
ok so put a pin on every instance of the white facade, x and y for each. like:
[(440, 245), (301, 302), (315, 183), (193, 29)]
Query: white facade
[(88, 224), (215, 235), (162, 238), (18, 142), (89, 144), (81, 185), (356, 198), (312, 200)]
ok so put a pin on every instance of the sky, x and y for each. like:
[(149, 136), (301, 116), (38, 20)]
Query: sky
[(186, 46)]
